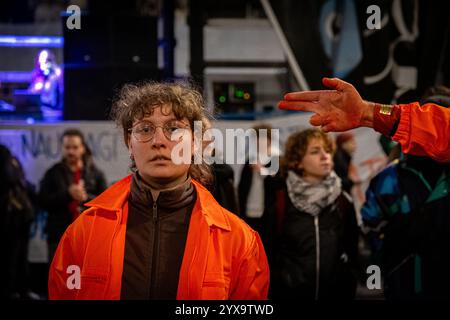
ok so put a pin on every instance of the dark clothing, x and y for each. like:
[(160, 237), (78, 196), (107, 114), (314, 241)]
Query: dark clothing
[(16, 218), (224, 191), (407, 215), (312, 257), (17, 200), (55, 198), (155, 240), (245, 183), (342, 162), (244, 186)]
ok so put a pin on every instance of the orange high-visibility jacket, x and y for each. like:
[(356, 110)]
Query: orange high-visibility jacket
[(424, 131), (223, 258)]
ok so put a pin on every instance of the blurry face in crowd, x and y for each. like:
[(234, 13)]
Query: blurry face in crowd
[(72, 149), (317, 162), (153, 157), (349, 146)]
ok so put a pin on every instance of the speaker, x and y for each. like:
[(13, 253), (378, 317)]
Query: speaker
[(89, 91), (107, 52), (111, 40), (134, 40)]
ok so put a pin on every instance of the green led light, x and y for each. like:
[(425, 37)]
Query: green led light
[(239, 93), (222, 99)]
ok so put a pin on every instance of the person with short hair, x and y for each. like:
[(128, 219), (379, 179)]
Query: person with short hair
[(67, 185)]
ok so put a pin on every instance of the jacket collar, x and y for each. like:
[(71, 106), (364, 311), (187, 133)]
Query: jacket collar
[(212, 211), (113, 199), (143, 196)]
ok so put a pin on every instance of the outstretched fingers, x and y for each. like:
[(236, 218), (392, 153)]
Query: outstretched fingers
[(300, 106), (307, 95)]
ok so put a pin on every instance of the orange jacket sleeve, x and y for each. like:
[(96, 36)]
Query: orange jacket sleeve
[(424, 131), (421, 130)]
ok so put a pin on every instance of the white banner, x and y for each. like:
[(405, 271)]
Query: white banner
[(38, 146)]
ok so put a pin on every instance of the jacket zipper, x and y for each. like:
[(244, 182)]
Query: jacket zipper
[(155, 246), (316, 227), (155, 212)]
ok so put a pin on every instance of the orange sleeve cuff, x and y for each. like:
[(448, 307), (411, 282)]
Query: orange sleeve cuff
[(424, 131), (403, 133)]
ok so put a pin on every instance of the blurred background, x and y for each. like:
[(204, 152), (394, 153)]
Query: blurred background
[(61, 67)]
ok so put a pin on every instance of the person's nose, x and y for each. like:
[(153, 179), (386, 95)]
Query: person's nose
[(159, 139), (323, 155)]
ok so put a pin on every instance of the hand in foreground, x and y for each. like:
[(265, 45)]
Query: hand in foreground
[(340, 109)]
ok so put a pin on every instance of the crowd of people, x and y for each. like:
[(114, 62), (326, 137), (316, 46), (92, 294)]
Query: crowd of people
[(183, 231)]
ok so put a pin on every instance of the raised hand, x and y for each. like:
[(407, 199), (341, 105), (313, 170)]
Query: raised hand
[(77, 192), (340, 109)]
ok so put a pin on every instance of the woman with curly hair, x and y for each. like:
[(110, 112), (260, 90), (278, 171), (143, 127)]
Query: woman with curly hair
[(316, 229), (159, 233)]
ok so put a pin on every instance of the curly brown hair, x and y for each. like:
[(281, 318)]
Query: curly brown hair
[(296, 146), (134, 102)]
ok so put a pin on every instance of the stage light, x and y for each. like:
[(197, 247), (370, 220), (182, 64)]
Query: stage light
[(31, 41), (38, 85)]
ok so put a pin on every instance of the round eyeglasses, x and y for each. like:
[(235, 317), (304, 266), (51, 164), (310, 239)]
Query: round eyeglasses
[(144, 131)]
